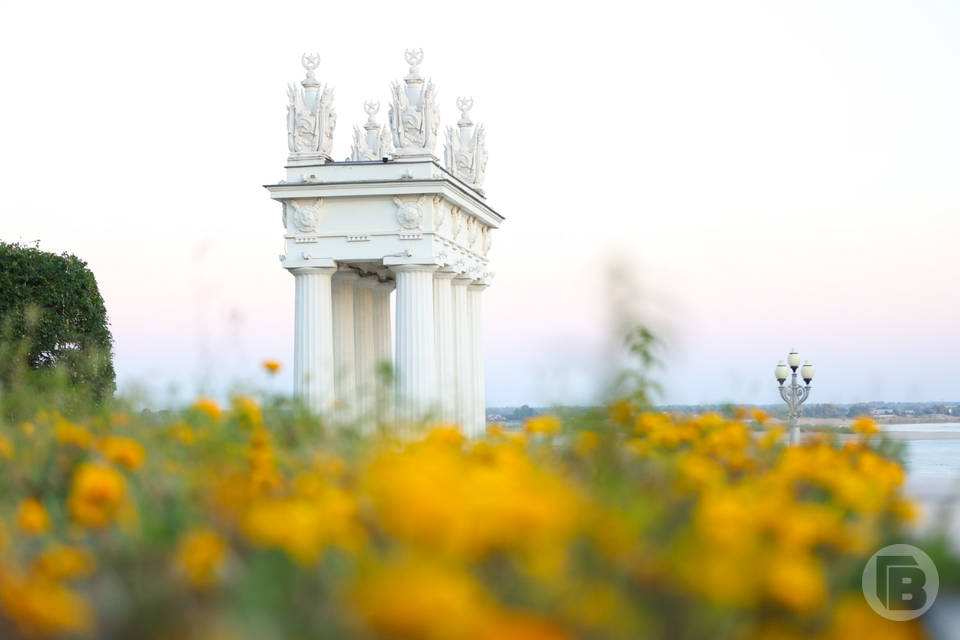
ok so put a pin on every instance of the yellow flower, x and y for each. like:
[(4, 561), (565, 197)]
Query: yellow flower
[(545, 424), (304, 527), (6, 447), (119, 419), (864, 425), (32, 517), (68, 433), (207, 406), (41, 607), (27, 428), (182, 432), (271, 366), (248, 412), (96, 495), (125, 452), (200, 557), (797, 581), (759, 415), (437, 602), (61, 562), (586, 442)]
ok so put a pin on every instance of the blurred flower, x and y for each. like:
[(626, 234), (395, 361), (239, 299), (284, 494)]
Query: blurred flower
[(125, 452), (271, 366), (247, 411), (200, 557), (96, 495), (545, 424), (207, 406), (6, 447), (864, 425), (32, 517), (60, 562), (72, 434), (41, 607)]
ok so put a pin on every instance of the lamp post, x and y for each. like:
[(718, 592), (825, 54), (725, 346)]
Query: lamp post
[(793, 394)]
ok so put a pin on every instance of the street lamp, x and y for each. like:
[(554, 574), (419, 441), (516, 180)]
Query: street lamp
[(793, 394)]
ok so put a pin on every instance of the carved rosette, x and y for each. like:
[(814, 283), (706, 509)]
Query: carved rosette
[(410, 214), (414, 114), (311, 119), (465, 152), (305, 217)]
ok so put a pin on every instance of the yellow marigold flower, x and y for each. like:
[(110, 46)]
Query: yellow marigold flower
[(621, 411), (447, 434), (27, 428), (32, 517), (182, 432), (41, 607), (125, 452), (247, 411), (304, 527), (200, 557), (546, 424), (437, 602), (61, 562), (797, 581), (495, 430), (759, 415), (207, 406), (586, 443), (96, 495), (119, 419), (853, 618), (864, 425), (271, 366), (73, 434), (6, 447)]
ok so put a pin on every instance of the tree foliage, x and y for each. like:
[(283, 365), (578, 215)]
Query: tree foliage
[(53, 317)]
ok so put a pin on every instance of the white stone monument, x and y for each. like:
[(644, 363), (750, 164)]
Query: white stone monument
[(390, 217)]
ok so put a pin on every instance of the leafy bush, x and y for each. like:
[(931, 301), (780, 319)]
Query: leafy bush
[(52, 316)]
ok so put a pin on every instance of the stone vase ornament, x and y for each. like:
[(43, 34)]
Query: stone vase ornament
[(414, 114), (311, 119)]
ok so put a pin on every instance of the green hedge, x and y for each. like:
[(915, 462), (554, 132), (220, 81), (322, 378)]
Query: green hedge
[(52, 317)]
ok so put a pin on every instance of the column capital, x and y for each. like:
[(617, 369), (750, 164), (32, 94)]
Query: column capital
[(385, 285), (398, 268), (367, 281), (305, 270), (445, 274), (346, 273), (461, 279), (478, 284)]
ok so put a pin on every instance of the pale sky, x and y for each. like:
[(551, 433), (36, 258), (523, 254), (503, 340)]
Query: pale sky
[(774, 174)]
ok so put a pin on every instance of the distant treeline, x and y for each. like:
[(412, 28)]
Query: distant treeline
[(822, 410)]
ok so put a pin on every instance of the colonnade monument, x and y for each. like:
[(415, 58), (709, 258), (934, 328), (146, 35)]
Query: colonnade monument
[(390, 217)]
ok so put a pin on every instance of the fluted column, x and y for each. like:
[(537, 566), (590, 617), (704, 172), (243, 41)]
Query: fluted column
[(344, 353), (364, 344), (383, 334), (313, 368), (443, 330), (462, 355), (478, 423), (415, 363)]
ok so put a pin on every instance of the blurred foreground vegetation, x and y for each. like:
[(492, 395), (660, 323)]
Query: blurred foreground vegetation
[(258, 521)]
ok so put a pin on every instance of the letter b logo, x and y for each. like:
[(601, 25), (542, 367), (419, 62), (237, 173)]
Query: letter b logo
[(900, 582)]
